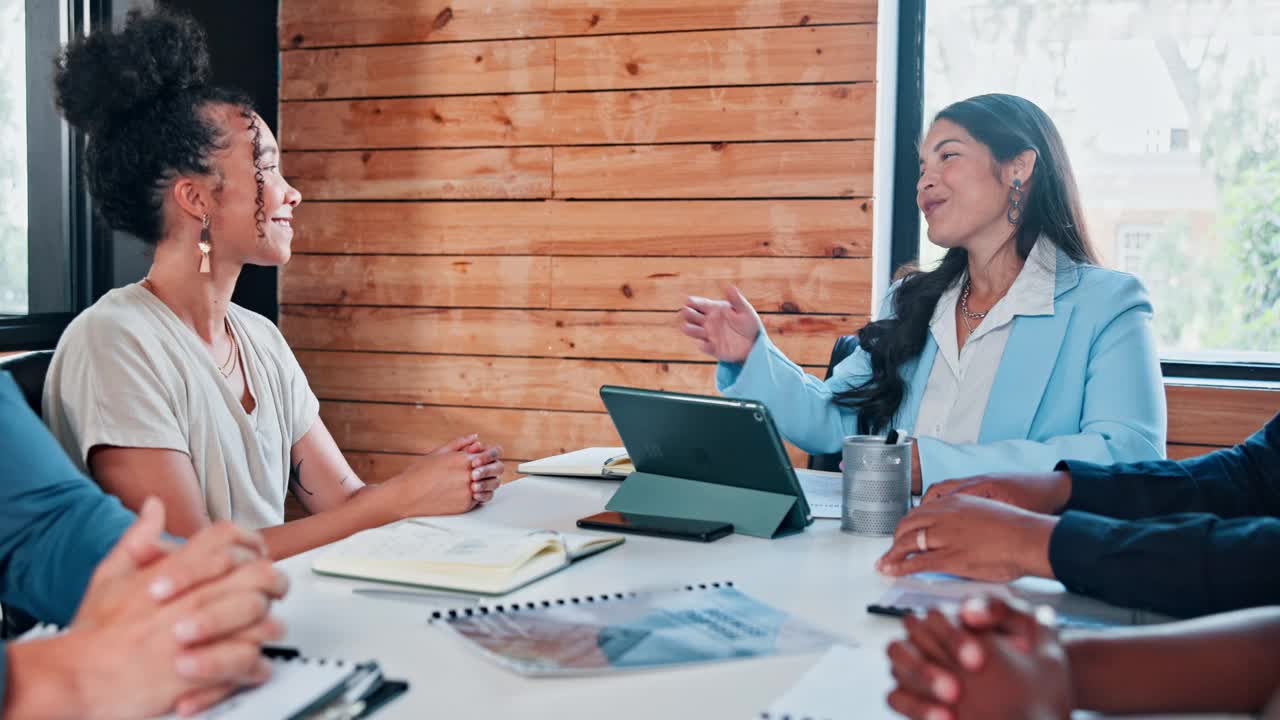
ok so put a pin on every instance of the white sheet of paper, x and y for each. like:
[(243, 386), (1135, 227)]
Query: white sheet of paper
[(822, 490), (847, 683)]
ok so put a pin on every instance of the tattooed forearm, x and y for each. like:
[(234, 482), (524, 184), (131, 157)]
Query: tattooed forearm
[(295, 478)]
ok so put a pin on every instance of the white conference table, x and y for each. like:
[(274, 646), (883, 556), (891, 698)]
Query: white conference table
[(822, 575)]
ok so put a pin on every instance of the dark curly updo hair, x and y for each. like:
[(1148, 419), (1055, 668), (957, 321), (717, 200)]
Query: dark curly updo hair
[(143, 96)]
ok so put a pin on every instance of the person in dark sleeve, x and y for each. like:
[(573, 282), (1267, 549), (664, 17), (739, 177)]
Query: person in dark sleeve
[(1183, 538), (994, 660)]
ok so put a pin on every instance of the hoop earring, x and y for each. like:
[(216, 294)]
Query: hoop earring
[(205, 244), (1014, 213)]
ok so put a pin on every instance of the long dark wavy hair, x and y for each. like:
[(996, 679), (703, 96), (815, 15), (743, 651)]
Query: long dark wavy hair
[(143, 94), (1007, 125)]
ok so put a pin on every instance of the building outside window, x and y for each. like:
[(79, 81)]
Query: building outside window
[(1170, 110)]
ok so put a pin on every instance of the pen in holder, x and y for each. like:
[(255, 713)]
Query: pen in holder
[(876, 482)]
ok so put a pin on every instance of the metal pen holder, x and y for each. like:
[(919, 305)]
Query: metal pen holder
[(876, 482)]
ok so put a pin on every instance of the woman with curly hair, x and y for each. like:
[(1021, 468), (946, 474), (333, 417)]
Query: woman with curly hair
[(167, 388)]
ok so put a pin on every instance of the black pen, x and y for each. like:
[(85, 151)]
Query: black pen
[(889, 610)]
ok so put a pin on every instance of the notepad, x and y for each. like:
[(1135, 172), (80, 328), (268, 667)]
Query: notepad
[(847, 683), (611, 463), (470, 557), (302, 688)]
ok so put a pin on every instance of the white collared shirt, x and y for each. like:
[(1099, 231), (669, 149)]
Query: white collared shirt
[(955, 398)]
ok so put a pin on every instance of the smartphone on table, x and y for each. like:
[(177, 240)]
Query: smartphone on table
[(658, 526)]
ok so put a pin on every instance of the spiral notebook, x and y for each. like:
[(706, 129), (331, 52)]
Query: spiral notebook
[(306, 689), (299, 689), (708, 622)]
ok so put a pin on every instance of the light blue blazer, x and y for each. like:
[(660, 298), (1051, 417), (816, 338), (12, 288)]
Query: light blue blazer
[(1081, 384)]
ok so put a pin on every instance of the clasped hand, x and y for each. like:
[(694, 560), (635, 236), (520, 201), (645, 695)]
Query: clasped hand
[(163, 626), (991, 661)]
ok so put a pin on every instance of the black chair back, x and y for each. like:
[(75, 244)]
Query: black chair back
[(843, 348), (28, 370)]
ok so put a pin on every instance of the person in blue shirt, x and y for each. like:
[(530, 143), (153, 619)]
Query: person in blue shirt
[(1183, 538), (1001, 661), (152, 627), (1016, 351)]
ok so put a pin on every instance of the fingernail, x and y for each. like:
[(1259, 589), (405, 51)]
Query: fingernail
[(160, 588), (475, 474), (186, 630), (936, 714), (475, 487), (187, 665), (944, 688), (970, 655)]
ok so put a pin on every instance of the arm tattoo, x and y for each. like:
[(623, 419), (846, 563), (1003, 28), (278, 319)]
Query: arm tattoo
[(295, 478)]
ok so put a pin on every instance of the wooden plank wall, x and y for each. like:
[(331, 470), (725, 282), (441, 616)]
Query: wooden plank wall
[(505, 203)]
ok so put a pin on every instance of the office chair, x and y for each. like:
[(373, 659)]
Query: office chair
[(843, 348), (28, 371)]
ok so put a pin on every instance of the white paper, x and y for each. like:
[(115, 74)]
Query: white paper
[(822, 490), (936, 590), (847, 683)]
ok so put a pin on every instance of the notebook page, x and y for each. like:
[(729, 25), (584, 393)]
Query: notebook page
[(433, 544), (294, 685), (847, 683), (589, 462)]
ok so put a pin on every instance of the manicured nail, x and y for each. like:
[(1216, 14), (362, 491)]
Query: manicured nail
[(476, 487), (944, 688), (160, 588), (970, 655), (187, 665), (475, 474), (936, 714), (186, 630)]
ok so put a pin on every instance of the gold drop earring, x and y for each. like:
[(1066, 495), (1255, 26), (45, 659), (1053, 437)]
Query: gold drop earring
[(205, 244)]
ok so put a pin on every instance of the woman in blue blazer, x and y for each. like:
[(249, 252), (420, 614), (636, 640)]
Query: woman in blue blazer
[(1016, 352)]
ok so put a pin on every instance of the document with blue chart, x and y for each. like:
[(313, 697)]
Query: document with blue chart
[(632, 631)]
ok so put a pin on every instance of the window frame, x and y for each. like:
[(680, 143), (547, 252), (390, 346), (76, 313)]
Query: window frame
[(65, 268), (905, 226)]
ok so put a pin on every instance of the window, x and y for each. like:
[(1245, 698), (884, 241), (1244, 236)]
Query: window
[(1169, 113), (45, 233), (13, 158)]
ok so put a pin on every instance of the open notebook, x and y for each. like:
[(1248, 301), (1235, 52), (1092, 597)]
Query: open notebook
[(469, 557), (611, 463)]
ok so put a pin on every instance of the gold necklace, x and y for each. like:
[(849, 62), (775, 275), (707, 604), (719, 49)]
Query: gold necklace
[(228, 366)]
